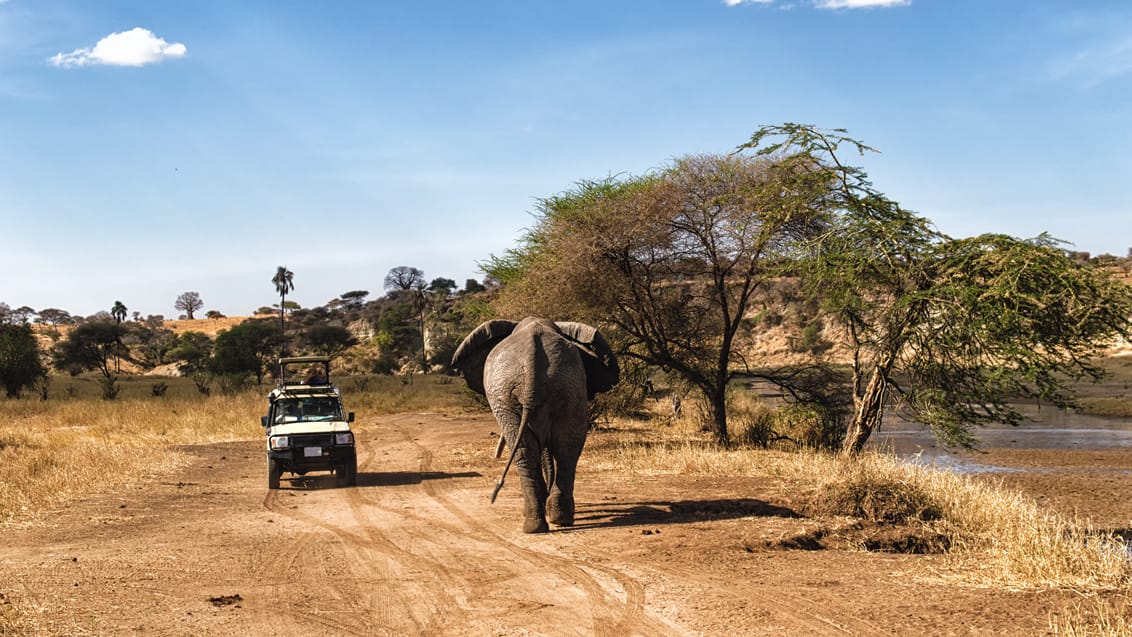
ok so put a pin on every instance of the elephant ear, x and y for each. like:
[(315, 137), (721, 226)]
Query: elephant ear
[(602, 371), (473, 350)]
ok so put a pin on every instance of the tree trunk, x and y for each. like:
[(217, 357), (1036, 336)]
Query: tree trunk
[(869, 411), (718, 398)]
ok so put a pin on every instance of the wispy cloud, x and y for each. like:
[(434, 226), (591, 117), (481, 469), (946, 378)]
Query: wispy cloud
[(136, 47), (1098, 63), (832, 4)]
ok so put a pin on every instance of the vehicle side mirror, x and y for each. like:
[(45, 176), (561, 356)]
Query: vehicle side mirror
[(263, 421), (350, 417)]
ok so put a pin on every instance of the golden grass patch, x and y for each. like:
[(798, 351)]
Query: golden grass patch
[(997, 537)]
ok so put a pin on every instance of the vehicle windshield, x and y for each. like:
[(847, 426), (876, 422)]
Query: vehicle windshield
[(307, 409)]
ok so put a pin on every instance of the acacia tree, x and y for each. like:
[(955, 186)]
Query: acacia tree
[(672, 259), (954, 328), (354, 299), (284, 281), (244, 349), (21, 363), (90, 346), (188, 302)]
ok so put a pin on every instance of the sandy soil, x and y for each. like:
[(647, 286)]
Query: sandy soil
[(417, 549)]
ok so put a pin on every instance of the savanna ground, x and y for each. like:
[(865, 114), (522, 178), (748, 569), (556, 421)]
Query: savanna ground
[(151, 516)]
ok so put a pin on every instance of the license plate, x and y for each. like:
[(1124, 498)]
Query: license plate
[(312, 452)]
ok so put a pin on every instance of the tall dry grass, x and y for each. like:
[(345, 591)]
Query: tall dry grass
[(75, 443), (54, 451), (997, 537)]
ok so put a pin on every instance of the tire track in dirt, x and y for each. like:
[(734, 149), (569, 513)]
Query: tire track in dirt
[(617, 605), (418, 585)]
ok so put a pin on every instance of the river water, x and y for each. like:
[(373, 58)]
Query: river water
[(1051, 429)]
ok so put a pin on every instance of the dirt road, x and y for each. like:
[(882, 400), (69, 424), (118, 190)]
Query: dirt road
[(417, 549)]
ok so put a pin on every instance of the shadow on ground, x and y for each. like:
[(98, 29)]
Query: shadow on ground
[(676, 512)]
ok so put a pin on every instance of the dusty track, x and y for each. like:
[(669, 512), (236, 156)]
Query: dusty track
[(416, 549)]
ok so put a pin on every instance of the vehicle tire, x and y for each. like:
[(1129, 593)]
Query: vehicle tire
[(273, 473), (347, 474)]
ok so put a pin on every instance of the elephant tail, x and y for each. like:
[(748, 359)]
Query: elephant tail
[(514, 448)]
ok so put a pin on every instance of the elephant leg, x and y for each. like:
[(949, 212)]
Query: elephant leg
[(528, 464), (560, 504), (533, 486)]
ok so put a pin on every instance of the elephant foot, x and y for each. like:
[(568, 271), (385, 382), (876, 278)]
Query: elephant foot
[(535, 525), (560, 512)]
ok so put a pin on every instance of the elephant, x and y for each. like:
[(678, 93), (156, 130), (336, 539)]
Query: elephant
[(538, 377)]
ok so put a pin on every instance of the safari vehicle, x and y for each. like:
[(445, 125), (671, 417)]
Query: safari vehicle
[(305, 425)]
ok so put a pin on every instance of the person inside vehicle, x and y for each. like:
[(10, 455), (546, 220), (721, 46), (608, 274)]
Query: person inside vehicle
[(315, 376), (289, 412)]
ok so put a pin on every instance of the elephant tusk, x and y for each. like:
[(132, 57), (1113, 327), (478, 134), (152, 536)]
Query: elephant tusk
[(499, 446), (514, 448)]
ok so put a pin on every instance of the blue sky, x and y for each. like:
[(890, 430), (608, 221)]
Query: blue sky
[(149, 148)]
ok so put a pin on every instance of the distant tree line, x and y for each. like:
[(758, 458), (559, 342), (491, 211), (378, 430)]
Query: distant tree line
[(414, 327)]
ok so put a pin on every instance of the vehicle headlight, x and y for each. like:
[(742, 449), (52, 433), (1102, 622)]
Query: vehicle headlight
[(280, 442), (346, 438)]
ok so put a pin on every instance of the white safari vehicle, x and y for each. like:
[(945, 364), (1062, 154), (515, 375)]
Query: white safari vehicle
[(306, 427)]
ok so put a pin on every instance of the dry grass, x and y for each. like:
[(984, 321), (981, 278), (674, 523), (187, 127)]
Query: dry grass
[(1097, 618), (997, 537), (54, 451)]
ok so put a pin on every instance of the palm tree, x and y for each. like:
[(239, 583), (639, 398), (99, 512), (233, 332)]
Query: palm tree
[(284, 283), (119, 313)]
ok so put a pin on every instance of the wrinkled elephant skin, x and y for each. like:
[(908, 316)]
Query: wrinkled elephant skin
[(545, 373)]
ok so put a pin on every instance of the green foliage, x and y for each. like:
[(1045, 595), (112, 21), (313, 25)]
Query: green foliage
[(21, 362), (193, 350), (329, 340), (109, 387), (88, 346), (956, 328), (673, 259), (247, 349)]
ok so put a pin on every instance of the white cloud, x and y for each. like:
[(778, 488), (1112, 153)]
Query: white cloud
[(735, 3), (136, 47)]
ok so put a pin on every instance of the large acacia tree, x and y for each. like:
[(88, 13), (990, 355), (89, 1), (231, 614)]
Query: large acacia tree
[(673, 259), (956, 329)]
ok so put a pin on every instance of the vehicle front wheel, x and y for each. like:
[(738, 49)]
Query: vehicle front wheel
[(347, 475), (274, 471)]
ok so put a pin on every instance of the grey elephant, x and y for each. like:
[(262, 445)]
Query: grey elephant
[(538, 377)]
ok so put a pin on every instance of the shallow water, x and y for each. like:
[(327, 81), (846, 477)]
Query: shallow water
[(1050, 429)]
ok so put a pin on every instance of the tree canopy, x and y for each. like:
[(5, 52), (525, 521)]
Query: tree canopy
[(189, 303), (678, 260), (671, 259), (21, 362), (248, 348)]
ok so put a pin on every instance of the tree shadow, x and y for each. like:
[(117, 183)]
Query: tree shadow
[(676, 512)]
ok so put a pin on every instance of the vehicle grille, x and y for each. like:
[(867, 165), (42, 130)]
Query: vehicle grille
[(313, 440)]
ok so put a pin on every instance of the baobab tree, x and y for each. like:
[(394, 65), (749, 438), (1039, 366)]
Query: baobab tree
[(188, 302)]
